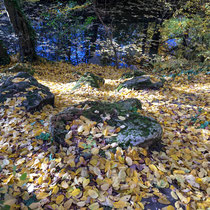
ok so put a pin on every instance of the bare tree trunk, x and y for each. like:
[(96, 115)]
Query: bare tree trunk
[(23, 30), (4, 57), (155, 42), (145, 37)]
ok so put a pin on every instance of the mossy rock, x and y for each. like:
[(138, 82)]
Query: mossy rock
[(21, 67), (90, 79), (139, 83), (136, 130), (24, 85), (132, 74)]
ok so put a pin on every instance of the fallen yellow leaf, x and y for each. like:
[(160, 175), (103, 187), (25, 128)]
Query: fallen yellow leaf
[(42, 195), (59, 199), (120, 204), (75, 192)]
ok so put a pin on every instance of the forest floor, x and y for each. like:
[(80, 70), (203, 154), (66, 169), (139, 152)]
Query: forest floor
[(34, 174)]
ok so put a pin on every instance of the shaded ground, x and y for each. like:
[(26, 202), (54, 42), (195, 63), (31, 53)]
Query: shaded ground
[(32, 169)]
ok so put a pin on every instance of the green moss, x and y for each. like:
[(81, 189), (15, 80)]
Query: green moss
[(90, 79), (132, 74)]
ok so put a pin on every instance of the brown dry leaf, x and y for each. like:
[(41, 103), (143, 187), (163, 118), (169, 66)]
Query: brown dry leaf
[(117, 130)]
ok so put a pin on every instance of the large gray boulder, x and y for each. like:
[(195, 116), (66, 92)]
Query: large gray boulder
[(136, 130), (139, 83), (24, 85)]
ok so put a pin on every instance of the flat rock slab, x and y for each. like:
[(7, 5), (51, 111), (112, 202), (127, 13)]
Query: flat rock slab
[(89, 79), (139, 83), (23, 86), (136, 130)]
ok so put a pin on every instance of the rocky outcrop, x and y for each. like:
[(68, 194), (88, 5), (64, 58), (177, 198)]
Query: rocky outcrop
[(32, 95)]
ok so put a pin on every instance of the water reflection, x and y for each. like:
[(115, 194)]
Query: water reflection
[(82, 39)]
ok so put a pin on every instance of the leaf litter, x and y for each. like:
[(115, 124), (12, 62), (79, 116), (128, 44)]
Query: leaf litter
[(36, 174)]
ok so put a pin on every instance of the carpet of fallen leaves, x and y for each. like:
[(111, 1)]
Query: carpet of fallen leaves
[(35, 174)]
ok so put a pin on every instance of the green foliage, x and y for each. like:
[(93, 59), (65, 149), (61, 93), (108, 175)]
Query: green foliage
[(91, 143), (14, 170), (189, 29), (169, 65), (43, 136), (67, 25), (23, 176)]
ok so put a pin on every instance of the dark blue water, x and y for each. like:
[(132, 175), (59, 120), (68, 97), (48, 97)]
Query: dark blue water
[(171, 43)]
